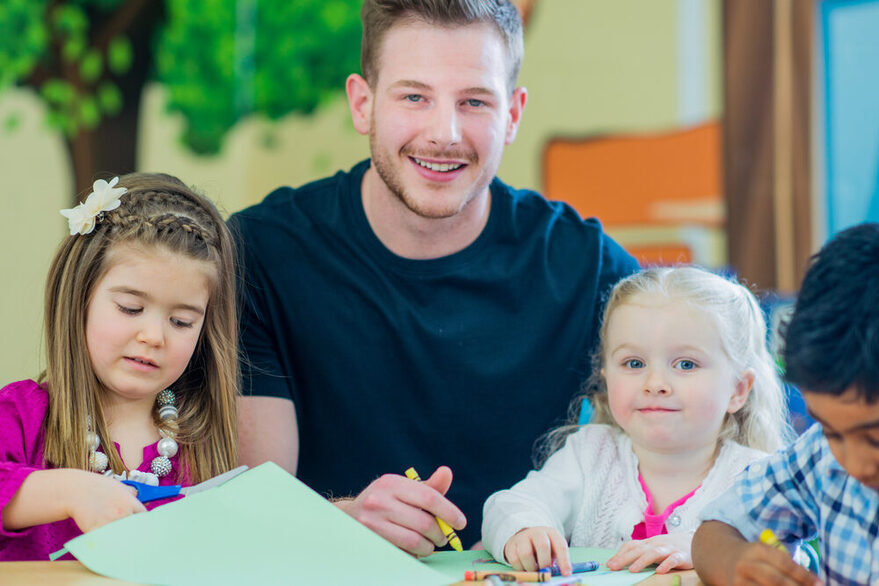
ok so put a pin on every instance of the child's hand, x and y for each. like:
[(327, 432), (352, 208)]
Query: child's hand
[(96, 500), (536, 547), (669, 551), (761, 564)]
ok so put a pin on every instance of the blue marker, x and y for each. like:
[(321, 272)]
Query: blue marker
[(577, 568)]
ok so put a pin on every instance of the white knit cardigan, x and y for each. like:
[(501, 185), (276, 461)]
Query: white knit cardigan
[(589, 491)]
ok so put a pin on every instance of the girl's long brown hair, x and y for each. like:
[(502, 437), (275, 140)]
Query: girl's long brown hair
[(157, 211)]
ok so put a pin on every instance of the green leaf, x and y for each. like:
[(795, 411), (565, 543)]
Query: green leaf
[(73, 48), (70, 19), (91, 66), (89, 113), (62, 121), (23, 38), (58, 92), (119, 55), (109, 98)]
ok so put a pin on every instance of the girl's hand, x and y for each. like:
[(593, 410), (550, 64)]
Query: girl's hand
[(95, 500), (536, 547), (670, 551)]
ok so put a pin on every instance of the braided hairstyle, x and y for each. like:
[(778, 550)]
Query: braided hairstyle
[(158, 211)]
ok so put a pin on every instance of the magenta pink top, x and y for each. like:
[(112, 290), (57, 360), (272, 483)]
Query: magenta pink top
[(653, 524), (23, 407)]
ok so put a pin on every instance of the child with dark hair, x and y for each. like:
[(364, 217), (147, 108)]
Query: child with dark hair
[(826, 484)]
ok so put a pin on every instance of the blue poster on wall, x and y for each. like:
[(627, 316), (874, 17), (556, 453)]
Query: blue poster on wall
[(850, 31)]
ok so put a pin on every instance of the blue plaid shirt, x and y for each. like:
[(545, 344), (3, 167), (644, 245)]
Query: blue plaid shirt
[(802, 492)]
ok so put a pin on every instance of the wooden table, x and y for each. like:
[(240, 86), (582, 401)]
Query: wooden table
[(75, 574)]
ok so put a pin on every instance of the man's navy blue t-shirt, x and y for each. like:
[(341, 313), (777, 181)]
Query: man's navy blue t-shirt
[(464, 360)]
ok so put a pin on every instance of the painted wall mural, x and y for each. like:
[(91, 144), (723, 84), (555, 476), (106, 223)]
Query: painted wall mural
[(237, 97)]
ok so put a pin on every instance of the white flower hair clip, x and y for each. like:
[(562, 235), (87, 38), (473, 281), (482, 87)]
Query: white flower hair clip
[(104, 197)]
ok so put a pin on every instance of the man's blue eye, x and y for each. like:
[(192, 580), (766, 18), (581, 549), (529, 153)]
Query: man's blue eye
[(413, 98), (475, 103)]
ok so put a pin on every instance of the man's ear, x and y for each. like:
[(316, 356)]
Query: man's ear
[(741, 392), (517, 106), (360, 102)]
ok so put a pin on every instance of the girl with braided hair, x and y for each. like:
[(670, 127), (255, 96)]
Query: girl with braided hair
[(141, 366)]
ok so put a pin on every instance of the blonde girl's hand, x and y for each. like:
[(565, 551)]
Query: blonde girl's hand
[(670, 551), (96, 500), (536, 547)]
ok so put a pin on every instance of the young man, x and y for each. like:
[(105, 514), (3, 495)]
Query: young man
[(416, 311), (826, 484)]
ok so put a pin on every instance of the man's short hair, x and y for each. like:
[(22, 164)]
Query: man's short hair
[(832, 339), (379, 16)]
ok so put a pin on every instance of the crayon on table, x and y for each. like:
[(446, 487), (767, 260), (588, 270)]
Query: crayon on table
[(769, 538), (447, 530), (508, 576), (576, 568)]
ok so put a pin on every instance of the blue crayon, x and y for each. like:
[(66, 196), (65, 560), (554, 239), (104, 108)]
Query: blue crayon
[(577, 568)]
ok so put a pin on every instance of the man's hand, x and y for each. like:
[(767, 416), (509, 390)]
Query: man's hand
[(404, 511)]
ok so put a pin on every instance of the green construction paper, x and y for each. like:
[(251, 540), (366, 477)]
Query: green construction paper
[(454, 564), (262, 527)]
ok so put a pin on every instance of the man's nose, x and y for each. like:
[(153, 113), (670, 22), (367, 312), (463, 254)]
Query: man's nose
[(445, 126)]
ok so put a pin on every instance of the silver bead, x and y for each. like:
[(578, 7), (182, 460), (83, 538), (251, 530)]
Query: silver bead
[(167, 447), (94, 441), (168, 412), (166, 397), (674, 520), (160, 466), (98, 461)]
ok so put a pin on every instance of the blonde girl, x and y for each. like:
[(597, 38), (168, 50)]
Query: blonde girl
[(685, 396), (141, 377)]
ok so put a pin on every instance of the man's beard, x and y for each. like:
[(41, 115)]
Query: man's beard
[(391, 177)]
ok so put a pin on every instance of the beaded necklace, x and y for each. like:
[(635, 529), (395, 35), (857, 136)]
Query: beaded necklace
[(167, 447)]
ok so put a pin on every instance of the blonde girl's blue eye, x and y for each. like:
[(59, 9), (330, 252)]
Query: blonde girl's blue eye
[(686, 365)]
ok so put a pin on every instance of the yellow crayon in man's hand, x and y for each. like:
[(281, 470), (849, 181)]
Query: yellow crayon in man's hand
[(769, 538), (447, 530)]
